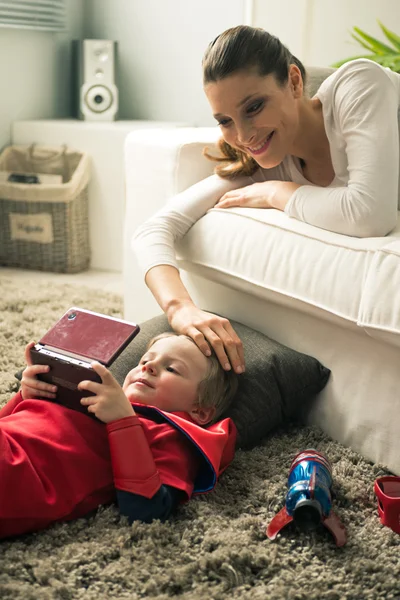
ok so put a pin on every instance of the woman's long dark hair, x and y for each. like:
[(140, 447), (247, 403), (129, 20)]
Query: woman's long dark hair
[(240, 49)]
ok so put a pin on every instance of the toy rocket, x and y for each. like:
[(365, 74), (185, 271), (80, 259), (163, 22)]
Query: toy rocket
[(308, 500)]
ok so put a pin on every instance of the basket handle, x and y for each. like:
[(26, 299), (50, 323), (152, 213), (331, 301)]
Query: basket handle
[(49, 156)]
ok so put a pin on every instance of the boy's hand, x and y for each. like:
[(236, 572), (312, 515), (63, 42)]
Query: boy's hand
[(110, 402), (31, 387)]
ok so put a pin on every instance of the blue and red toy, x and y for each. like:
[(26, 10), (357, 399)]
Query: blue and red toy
[(309, 500)]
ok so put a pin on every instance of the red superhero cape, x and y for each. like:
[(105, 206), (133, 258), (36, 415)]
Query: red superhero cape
[(55, 463), (215, 444)]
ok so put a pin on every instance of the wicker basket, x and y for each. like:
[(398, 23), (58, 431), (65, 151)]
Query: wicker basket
[(45, 226)]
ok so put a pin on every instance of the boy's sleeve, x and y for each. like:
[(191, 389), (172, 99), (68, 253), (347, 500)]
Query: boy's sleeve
[(139, 508), (141, 493), (11, 405), (133, 464), (146, 455)]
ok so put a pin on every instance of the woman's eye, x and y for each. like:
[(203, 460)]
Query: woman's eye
[(224, 122), (253, 108)]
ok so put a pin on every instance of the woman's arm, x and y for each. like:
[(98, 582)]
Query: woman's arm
[(365, 103), (153, 243)]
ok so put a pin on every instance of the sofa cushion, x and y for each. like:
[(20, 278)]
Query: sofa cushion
[(315, 76), (265, 252), (276, 384)]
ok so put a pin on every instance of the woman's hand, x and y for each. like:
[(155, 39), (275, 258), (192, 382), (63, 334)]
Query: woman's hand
[(267, 194), (109, 402), (31, 387), (208, 330)]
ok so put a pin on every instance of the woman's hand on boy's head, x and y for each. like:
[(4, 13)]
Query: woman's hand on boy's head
[(207, 329), (109, 402), (31, 387)]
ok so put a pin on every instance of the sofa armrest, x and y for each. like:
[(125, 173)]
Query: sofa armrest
[(159, 163)]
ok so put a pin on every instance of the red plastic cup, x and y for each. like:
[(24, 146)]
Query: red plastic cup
[(387, 491)]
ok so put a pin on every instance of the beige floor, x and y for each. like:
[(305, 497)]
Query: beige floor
[(109, 281)]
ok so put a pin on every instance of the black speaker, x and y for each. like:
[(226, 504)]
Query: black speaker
[(94, 73)]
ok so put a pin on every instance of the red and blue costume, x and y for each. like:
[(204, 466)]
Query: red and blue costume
[(56, 464)]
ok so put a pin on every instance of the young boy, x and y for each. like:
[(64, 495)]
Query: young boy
[(56, 464)]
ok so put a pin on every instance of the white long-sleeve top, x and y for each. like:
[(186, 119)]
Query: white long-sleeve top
[(360, 103)]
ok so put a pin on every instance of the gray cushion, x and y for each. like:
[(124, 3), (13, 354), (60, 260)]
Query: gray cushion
[(315, 76), (276, 384)]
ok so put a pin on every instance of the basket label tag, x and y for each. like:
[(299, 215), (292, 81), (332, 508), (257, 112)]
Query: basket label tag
[(31, 228)]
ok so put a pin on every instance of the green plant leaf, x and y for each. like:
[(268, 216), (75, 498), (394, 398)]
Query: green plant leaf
[(375, 45), (388, 61), (391, 36), (394, 65), (380, 53), (362, 43)]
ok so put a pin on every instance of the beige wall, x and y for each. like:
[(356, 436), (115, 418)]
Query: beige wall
[(318, 31), (161, 43)]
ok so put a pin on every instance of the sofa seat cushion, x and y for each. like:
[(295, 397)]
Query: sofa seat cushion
[(262, 251)]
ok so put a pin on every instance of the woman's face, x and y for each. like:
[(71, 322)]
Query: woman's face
[(256, 115)]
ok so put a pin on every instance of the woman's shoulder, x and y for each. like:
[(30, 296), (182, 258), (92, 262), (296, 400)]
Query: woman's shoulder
[(362, 64), (356, 75), (367, 70)]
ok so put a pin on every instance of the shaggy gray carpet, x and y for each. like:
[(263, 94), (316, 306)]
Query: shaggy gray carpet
[(214, 547)]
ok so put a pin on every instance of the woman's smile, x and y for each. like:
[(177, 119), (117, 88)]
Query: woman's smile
[(261, 148)]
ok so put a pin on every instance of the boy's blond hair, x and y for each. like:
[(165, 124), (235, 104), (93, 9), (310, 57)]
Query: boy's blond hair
[(218, 388)]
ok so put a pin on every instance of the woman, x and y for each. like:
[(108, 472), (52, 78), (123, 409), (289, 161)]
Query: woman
[(331, 161)]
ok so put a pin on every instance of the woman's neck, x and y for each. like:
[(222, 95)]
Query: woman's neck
[(311, 144)]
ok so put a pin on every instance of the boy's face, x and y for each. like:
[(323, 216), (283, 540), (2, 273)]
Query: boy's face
[(168, 376)]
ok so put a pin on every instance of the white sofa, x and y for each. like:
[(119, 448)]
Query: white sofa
[(328, 295)]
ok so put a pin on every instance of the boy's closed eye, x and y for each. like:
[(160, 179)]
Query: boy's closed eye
[(172, 370)]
